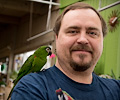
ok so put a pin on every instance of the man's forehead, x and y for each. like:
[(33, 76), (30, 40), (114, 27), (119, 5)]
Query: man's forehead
[(78, 15), (80, 12)]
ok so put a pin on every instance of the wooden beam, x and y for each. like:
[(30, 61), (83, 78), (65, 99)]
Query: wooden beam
[(15, 5), (22, 6), (9, 19), (4, 52)]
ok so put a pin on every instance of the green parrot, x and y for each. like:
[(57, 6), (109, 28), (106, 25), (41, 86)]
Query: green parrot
[(34, 63)]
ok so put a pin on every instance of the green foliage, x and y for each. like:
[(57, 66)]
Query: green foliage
[(113, 75), (2, 83)]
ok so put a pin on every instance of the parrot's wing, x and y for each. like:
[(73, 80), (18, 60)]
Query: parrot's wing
[(37, 64), (24, 69), (26, 66)]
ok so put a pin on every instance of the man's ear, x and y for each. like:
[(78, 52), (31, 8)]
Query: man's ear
[(56, 36)]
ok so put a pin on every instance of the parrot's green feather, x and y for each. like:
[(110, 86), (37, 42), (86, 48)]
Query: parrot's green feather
[(34, 63)]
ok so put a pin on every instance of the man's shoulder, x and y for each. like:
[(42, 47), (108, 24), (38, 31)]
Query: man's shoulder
[(108, 82), (34, 81), (39, 75)]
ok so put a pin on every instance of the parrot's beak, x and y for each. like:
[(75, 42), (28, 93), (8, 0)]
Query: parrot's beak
[(50, 53)]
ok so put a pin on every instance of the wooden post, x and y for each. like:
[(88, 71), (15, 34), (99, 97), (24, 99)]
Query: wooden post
[(10, 65)]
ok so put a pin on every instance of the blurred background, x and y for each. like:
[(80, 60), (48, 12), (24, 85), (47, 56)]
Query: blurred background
[(26, 25)]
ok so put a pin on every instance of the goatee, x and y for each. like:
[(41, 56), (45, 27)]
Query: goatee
[(81, 66)]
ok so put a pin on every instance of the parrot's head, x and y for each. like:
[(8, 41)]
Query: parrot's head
[(48, 49), (43, 51)]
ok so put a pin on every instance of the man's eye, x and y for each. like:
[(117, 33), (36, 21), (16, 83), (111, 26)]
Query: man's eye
[(73, 31), (92, 33)]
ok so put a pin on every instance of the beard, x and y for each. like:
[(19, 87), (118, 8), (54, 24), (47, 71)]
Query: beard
[(81, 66)]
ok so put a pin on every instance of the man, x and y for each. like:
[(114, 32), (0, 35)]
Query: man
[(80, 31)]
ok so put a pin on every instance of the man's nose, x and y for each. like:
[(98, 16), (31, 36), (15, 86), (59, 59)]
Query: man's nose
[(82, 39)]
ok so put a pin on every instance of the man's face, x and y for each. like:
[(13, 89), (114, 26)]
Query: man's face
[(80, 40)]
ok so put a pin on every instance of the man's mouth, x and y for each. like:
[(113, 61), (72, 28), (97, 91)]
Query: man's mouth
[(81, 49)]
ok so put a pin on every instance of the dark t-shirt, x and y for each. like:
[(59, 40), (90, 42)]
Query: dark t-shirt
[(43, 86)]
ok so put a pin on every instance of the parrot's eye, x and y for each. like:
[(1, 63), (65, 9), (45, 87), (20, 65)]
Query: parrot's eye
[(49, 51)]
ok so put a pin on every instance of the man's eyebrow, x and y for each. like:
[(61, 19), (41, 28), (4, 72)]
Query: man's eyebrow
[(93, 28), (73, 27)]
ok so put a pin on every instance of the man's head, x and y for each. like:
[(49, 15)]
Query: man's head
[(79, 37)]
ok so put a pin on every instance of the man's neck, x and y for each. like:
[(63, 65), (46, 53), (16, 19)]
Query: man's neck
[(80, 77)]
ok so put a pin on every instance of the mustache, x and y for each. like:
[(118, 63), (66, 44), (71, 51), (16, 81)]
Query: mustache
[(82, 47)]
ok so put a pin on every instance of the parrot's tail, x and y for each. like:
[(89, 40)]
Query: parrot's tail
[(15, 82), (12, 90)]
